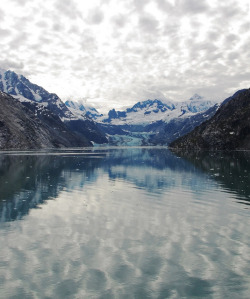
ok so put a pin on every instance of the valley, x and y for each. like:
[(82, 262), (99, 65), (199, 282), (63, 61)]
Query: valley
[(75, 124)]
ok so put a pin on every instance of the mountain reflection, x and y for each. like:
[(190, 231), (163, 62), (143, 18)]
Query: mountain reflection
[(230, 169), (27, 181)]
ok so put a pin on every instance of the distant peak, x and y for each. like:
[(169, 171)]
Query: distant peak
[(196, 97)]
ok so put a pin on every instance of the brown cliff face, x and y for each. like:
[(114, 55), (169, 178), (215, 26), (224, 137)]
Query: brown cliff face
[(27, 127), (228, 129)]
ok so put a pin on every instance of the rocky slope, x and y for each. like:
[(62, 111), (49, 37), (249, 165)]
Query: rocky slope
[(228, 129), (27, 93), (30, 127)]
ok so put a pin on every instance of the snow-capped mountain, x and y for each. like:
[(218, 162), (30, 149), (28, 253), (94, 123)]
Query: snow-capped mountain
[(145, 123), (37, 99), (23, 125), (146, 112), (228, 129), (82, 109), (22, 89), (151, 121)]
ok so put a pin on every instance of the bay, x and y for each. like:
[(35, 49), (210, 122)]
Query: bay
[(124, 223)]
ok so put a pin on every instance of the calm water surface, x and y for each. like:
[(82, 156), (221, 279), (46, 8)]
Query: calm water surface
[(124, 223)]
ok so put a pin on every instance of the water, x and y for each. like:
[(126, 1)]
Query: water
[(124, 223)]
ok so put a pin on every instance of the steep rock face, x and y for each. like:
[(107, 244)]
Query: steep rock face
[(21, 88), (228, 129), (25, 91), (30, 127), (87, 129)]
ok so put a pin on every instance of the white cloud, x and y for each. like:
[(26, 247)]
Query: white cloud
[(111, 52)]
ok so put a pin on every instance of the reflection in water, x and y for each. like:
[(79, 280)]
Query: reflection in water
[(123, 223), (230, 169), (27, 181)]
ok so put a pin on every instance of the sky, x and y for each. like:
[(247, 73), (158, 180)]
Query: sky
[(114, 53)]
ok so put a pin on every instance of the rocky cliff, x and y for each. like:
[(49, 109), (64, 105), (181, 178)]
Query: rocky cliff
[(228, 129), (32, 126)]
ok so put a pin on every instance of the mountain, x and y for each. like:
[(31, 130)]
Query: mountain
[(146, 112), (22, 89), (153, 122), (228, 129), (150, 122), (165, 133), (32, 126), (26, 92), (81, 109)]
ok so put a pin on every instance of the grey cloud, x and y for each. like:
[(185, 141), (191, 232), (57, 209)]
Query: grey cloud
[(171, 29), (10, 64), (88, 42), (231, 38), (18, 40), (67, 8), (140, 4), (164, 5), (78, 64), (21, 2), (192, 6), (229, 10), (74, 29), (57, 26), (44, 39), (148, 23), (245, 27), (95, 16), (2, 14), (119, 20), (204, 46), (42, 24), (232, 56), (214, 35), (4, 33)]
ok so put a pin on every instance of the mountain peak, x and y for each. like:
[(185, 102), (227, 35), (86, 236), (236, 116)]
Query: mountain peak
[(196, 97)]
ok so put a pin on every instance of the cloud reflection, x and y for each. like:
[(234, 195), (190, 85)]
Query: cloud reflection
[(107, 236)]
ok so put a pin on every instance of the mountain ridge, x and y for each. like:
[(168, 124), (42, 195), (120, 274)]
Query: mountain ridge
[(26, 92), (228, 129), (22, 128)]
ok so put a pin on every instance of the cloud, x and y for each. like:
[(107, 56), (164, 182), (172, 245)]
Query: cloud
[(122, 244), (4, 33), (119, 20), (21, 2), (2, 16), (42, 24), (100, 48), (96, 16), (68, 8), (192, 6), (10, 64), (140, 4), (148, 23)]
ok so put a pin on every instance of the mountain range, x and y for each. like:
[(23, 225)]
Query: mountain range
[(27, 126), (46, 106), (73, 123), (228, 129)]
